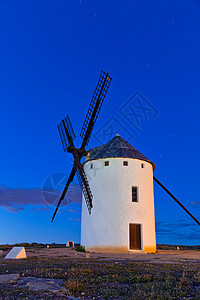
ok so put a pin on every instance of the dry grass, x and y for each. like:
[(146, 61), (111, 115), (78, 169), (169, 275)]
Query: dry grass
[(91, 279), (74, 286)]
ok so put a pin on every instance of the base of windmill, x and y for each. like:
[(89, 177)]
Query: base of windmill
[(16, 253), (120, 250), (141, 251)]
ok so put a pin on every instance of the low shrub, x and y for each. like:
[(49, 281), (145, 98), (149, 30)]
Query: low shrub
[(80, 248)]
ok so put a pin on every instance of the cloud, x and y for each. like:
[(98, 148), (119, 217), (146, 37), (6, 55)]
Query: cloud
[(180, 230), (72, 210), (77, 220), (180, 224), (195, 202), (15, 200), (36, 209)]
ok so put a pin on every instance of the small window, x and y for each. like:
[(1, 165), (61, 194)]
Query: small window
[(91, 166), (106, 163), (142, 166), (134, 194), (125, 163)]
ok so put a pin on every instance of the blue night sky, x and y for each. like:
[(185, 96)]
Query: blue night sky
[(51, 55)]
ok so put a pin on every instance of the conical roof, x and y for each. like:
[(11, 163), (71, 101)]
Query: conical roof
[(117, 147)]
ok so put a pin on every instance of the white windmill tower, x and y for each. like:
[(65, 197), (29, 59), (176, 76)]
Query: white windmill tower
[(118, 211), (122, 218)]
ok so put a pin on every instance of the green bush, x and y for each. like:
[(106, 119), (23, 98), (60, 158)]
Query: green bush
[(80, 248)]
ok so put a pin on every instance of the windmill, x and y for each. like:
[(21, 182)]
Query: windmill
[(107, 216), (67, 137)]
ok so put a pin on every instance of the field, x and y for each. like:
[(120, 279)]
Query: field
[(168, 274)]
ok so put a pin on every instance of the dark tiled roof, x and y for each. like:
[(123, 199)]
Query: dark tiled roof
[(117, 147)]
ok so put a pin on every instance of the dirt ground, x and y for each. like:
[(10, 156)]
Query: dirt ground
[(162, 256), (64, 273)]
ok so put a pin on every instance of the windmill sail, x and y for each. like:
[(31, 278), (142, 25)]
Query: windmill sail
[(95, 107), (64, 136), (67, 137), (86, 189), (70, 179)]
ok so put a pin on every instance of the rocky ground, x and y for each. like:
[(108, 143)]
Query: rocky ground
[(61, 273)]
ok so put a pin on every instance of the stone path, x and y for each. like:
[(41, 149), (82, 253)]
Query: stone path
[(36, 284), (162, 256), (43, 284), (8, 278)]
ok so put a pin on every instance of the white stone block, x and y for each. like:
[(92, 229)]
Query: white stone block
[(16, 253)]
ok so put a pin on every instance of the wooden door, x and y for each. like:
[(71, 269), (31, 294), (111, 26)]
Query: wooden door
[(135, 236)]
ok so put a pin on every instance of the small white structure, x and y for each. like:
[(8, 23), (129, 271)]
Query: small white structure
[(70, 244), (16, 253), (122, 218)]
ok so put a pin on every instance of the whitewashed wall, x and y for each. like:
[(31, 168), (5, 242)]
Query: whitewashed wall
[(107, 228)]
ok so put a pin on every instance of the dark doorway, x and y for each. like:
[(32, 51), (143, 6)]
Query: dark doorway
[(71, 244), (135, 236)]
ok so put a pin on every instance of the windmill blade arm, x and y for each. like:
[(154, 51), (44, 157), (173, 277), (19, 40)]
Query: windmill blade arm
[(82, 179), (95, 107), (66, 132), (174, 198), (70, 179)]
